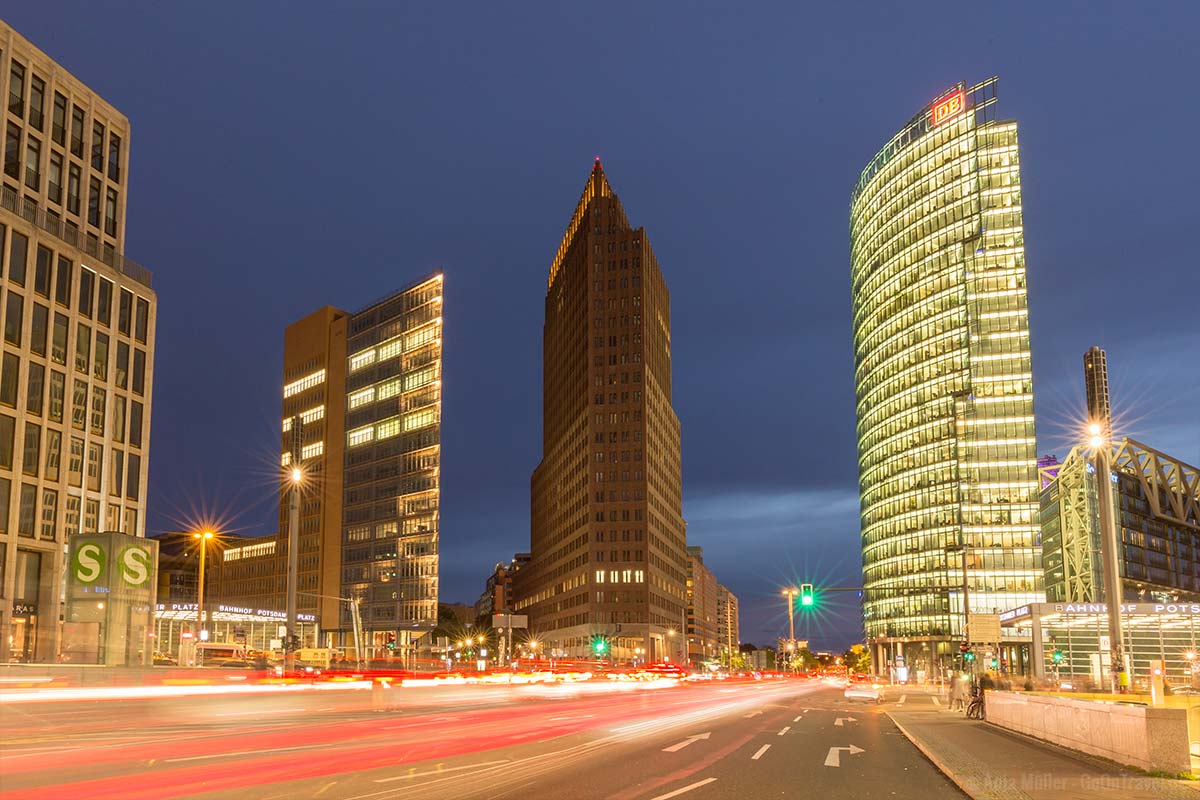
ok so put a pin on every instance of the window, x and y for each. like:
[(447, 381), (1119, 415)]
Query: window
[(35, 388), (7, 430), (42, 272), (100, 362), (87, 283), (58, 345), (295, 387), (97, 146), (142, 321), (10, 373), (33, 164), (28, 511), (362, 398), (56, 177), (37, 102), (39, 328), (116, 474), (77, 131), (360, 436), (139, 371), (75, 462), (93, 216), (94, 456), (99, 396), (31, 457), (58, 130), (78, 404), (14, 318), (110, 212), (118, 426), (122, 365), (62, 282), (58, 383), (18, 255), (133, 482), (135, 423), (125, 315), (16, 90), (83, 348), (49, 514), (114, 157), (5, 499), (74, 176), (104, 302), (12, 151)]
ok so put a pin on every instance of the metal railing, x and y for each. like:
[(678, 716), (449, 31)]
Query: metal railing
[(30, 211)]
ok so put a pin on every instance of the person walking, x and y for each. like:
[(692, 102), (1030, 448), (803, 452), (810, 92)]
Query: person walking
[(955, 691)]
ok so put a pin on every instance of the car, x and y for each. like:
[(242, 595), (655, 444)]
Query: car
[(231, 663), (870, 692)]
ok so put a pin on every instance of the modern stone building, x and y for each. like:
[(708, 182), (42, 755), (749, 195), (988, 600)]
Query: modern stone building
[(729, 637), (607, 531), (79, 318), (944, 384), (703, 630)]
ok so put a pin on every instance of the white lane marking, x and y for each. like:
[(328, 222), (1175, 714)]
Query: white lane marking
[(572, 716), (797, 719), (786, 728), (760, 752), (833, 759), (903, 697), (687, 788), (752, 714), (936, 702), (841, 721), (264, 711), (440, 771), (675, 748), (240, 753)]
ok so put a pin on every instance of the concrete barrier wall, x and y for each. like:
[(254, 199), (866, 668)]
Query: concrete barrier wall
[(1136, 735)]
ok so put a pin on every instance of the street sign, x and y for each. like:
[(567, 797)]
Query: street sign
[(983, 628), (510, 621)]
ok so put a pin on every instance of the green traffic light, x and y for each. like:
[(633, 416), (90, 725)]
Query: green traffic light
[(806, 594), (968, 656), (1058, 656), (599, 646)]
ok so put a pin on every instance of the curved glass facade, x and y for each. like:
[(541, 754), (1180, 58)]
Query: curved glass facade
[(944, 392)]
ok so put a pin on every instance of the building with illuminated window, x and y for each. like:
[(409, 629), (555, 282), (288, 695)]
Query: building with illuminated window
[(392, 496), (702, 598), (729, 637), (79, 318), (607, 533), (947, 460), (1156, 505)]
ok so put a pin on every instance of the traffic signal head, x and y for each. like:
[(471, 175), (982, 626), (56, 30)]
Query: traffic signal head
[(806, 594), (391, 641), (968, 656), (1057, 657)]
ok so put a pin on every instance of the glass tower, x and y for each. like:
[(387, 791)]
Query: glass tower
[(947, 459)]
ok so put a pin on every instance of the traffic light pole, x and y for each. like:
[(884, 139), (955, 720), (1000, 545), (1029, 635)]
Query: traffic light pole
[(289, 645)]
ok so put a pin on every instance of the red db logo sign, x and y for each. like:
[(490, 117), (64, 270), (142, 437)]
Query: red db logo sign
[(947, 108)]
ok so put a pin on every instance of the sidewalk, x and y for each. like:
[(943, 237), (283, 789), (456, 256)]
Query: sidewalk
[(989, 763)]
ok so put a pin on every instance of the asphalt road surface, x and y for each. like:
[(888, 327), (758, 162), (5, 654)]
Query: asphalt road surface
[(719, 739)]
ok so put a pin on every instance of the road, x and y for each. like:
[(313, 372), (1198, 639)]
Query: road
[(719, 739)]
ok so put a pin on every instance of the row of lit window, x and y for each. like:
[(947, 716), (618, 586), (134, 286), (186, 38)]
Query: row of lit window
[(307, 382), (306, 417)]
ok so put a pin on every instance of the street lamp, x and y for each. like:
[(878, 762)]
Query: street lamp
[(203, 537), (297, 478), (791, 594)]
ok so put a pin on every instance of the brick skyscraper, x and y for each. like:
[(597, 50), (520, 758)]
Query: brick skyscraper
[(608, 536)]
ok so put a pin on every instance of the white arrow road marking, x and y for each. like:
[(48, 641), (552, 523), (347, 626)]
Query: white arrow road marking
[(760, 752), (687, 788), (752, 714), (797, 719), (936, 702), (675, 748), (834, 759), (903, 697), (841, 721), (786, 728)]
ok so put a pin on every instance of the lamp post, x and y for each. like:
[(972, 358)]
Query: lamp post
[(791, 594), (203, 537), (289, 646), (1109, 553)]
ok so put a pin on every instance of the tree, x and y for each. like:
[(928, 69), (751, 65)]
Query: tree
[(857, 659)]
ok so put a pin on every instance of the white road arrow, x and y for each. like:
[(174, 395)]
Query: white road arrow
[(840, 721), (835, 756), (752, 714), (677, 747)]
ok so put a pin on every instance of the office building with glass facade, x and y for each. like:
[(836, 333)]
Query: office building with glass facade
[(79, 318), (392, 496), (943, 378)]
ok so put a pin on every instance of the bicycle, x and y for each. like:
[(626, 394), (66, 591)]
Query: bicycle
[(975, 708)]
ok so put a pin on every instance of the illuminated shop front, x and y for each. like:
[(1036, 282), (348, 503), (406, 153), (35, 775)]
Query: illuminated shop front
[(944, 388), (256, 628), (1075, 642)]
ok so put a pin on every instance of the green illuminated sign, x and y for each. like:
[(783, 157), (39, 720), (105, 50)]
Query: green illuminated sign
[(89, 562)]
